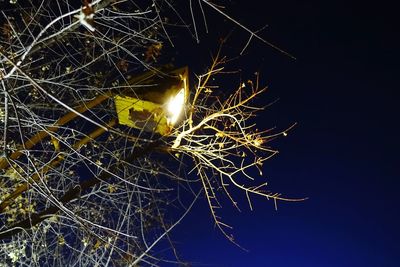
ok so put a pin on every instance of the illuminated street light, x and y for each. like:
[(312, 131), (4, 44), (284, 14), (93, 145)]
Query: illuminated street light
[(175, 106), (155, 107)]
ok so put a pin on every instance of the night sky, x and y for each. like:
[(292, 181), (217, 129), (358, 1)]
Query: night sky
[(343, 155)]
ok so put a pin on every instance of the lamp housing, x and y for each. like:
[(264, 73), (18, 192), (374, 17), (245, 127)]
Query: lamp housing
[(157, 105)]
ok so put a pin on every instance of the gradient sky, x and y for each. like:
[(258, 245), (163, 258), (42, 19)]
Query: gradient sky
[(344, 154)]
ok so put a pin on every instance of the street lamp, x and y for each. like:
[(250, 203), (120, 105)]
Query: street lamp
[(156, 106)]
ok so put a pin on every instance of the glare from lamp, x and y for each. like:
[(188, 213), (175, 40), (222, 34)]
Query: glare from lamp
[(175, 106)]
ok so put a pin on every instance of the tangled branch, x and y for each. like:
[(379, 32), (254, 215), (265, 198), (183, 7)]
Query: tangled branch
[(78, 188), (227, 149)]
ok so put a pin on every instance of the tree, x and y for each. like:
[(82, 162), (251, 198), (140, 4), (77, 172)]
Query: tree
[(77, 187)]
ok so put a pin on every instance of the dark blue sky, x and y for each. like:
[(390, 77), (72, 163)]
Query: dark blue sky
[(343, 92)]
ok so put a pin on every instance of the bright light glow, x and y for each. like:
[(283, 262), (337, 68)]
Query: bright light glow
[(258, 142), (175, 106)]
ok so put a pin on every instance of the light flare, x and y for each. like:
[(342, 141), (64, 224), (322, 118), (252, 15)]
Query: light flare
[(175, 106)]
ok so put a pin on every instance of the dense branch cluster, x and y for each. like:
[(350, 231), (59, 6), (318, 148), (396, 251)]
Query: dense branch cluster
[(226, 147), (77, 188)]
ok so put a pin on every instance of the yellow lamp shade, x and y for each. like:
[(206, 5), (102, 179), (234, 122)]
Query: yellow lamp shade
[(155, 108)]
